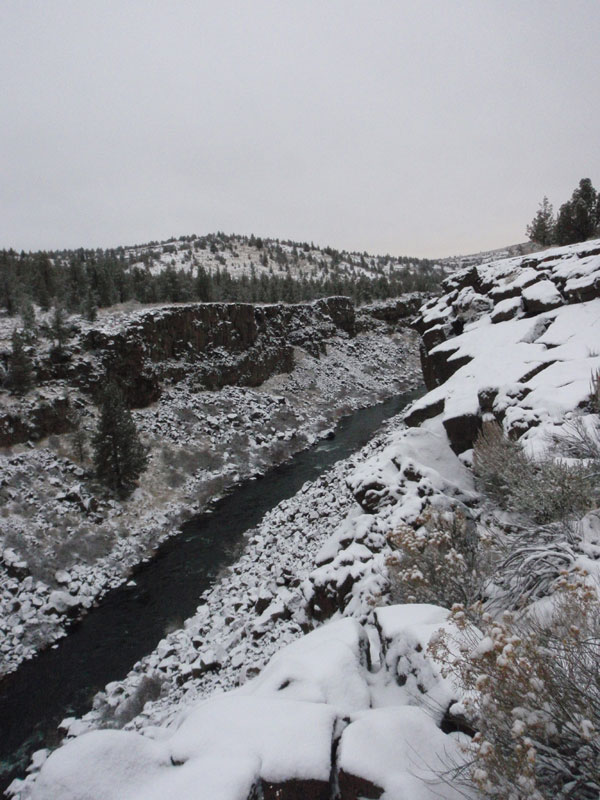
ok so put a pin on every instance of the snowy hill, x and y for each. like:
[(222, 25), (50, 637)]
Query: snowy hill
[(242, 255)]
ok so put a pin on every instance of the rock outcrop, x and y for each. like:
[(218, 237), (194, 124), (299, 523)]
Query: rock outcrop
[(223, 344), (505, 307), (34, 418), (309, 727)]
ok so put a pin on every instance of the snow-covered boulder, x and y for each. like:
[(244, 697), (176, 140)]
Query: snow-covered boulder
[(397, 753), (276, 737)]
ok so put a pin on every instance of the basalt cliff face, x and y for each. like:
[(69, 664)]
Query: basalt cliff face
[(223, 343), (220, 343)]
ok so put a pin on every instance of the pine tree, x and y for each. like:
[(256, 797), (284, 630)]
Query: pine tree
[(541, 228), (119, 455), (90, 306), (20, 373), (28, 319), (58, 328), (577, 219)]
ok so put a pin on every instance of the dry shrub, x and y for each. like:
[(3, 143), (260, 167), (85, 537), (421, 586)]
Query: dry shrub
[(533, 694), (543, 491), (445, 560), (580, 438), (534, 560)]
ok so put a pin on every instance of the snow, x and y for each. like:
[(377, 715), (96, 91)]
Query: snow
[(396, 620), (104, 764), (543, 292), (202, 443), (402, 751), (275, 688), (278, 727)]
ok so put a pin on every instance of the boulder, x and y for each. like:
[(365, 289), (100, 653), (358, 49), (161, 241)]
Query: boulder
[(507, 309), (62, 602), (462, 431), (541, 296), (296, 789), (421, 411), (354, 787)]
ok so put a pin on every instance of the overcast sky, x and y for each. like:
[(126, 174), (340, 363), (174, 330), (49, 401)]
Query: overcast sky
[(429, 127)]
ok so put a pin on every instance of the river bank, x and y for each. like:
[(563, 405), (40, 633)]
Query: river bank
[(132, 619), (64, 545)]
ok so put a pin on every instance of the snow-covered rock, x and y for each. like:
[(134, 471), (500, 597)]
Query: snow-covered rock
[(303, 728)]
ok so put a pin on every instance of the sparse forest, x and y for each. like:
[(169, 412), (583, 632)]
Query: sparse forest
[(85, 280)]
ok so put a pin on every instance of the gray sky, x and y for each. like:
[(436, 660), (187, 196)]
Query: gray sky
[(428, 128)]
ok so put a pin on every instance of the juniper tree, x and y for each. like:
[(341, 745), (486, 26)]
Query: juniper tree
[(89, 307), (20, 373), (541, 228), (58, 328), (119, 455), (577, 219), (28, 319)]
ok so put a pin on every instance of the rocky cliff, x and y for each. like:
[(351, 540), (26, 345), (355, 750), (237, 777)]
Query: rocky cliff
[(220, 343), (490, 327)]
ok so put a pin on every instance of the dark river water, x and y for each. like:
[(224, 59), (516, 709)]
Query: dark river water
[(130, 621)]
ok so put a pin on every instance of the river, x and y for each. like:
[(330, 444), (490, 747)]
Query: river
[(130, 620)]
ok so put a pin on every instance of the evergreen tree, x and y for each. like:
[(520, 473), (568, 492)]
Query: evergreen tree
[(90, 306), (8, 281), (58, 327), (564, 232), (20, 373), (28, 319), (119, 455), (203, 285), (577, 219), (43, 280), (584, 209), (541, 228)]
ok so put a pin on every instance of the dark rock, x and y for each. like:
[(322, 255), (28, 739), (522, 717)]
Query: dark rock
[(486, 399), (531, 374), (226, 343), (438, 365), (395, 312), (462, 431), (419, 415), (536, 305), (435, 335), (509, 312), (296, 789), (372, 496), (462, 279), (353, 787), (455, 723), (263, 602), (329, 597), (504, 292), (34, 421), (584, 290)]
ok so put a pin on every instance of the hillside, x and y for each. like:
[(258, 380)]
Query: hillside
[(216, 267), (314, 667), (242, 255)]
